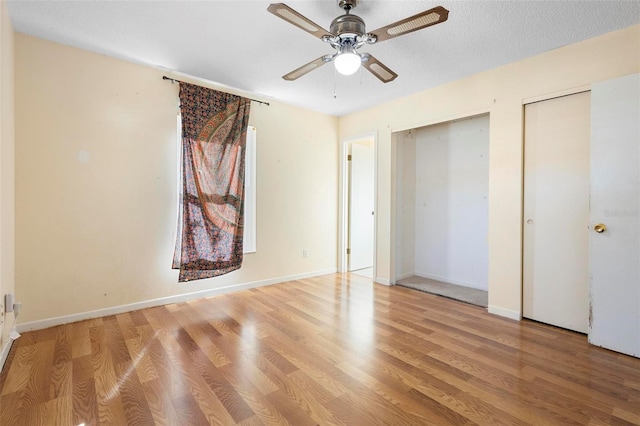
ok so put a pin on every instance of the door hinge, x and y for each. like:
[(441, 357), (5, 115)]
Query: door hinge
[(349, 157), (348, 251)]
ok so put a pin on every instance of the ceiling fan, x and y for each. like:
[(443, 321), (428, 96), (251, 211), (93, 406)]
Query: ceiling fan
[(348, 34)]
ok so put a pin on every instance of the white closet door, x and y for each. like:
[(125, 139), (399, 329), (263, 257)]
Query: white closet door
[(615, 203), (556, 212)]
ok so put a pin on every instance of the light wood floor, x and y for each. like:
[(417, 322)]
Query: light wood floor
[(329, 350)]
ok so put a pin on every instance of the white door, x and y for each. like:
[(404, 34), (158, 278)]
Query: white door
[(361, 206), (556, 212), (614, 257)]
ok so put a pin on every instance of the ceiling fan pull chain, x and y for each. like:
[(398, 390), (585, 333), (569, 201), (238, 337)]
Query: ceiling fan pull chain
[(335, 83)]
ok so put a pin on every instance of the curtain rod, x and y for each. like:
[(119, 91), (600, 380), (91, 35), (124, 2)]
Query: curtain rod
[(164, 77)]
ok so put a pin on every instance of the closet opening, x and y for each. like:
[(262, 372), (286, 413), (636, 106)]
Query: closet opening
[(442, 199)]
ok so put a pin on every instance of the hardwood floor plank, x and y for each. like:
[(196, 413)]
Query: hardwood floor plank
[(251, 421), (134, 402), (290, 410), (114, 339), (36, 336), (277, 360), (211, 407), (329, 350), (19, 370), (583, 393), (84, 402), (189, 412), (61, 383), (160, 318), (415, 377), (217, 358), (127, 327), (12, 405), (256, 369), (110, 409), (370, 407), (305, 402), (632, 418), (254, 397), (346, 413), (138, 318), (233, 403), (595, 380), (100, 357), (170, 374), (310, 387), (139, 351), (54, 411), (439, 414), (395, 395), (37, 390), (80, 340), (160, 403), (325, 373)]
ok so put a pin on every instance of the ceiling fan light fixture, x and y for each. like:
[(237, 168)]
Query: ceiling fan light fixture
[(347, 62)]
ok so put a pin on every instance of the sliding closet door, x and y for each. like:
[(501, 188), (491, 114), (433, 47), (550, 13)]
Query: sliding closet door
[(556, 212)]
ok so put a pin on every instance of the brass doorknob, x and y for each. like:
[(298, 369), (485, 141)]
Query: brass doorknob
[(600, 228)]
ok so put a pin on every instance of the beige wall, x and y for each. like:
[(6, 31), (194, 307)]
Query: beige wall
[(96, 177), (501, 93), (7, 170), (96, 162)]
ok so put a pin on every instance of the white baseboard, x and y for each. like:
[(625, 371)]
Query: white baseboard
[(5, 352), (405, 275), (113, 310), (383, 281), (450, 281), (503, 312)]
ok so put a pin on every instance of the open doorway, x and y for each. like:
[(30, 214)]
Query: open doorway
[(358, 211), (442, 186)]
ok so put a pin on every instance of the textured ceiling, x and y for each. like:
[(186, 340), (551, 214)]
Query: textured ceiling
[(239, 44)]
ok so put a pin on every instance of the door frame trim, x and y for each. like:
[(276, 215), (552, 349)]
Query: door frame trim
[(554, 95)]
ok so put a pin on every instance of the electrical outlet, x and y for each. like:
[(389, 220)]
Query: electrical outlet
[(9, 300), (305, 253)]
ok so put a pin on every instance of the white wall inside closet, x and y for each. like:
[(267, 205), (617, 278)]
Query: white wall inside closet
[(406, 205), (442, 203)]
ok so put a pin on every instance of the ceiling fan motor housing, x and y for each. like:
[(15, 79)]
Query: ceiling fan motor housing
[(345, 25)]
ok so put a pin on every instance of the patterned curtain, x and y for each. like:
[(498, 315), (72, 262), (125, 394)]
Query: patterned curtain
[(211, 211)]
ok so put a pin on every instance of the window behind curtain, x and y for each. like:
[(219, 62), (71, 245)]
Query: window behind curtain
[(249, 236), (250, 193)]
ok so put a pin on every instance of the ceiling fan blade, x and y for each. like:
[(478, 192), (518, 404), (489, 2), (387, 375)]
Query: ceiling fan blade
[(306, 68), (283, 11), (379, 69), (416, 22)]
